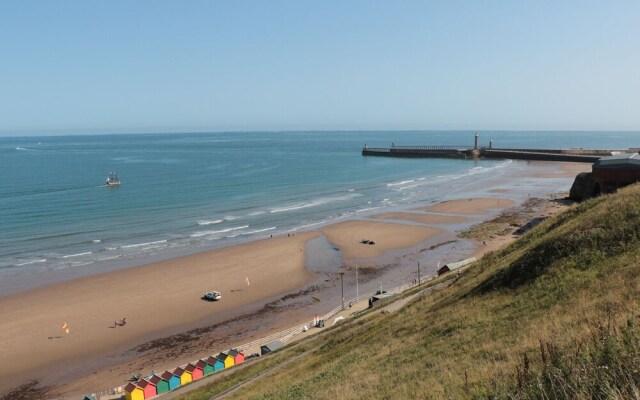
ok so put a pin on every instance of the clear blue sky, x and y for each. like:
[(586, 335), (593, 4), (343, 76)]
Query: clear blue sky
[(135, 66)]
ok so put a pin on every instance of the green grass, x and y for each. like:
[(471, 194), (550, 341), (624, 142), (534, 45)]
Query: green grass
[(553, 315)]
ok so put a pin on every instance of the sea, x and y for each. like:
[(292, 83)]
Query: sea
[(187, 192)]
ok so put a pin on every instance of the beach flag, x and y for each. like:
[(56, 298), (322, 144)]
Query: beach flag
[(248, 283), (65, 327)]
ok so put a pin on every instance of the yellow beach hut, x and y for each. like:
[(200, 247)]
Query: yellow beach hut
[(133, 392), (184, 375), (227, 360)]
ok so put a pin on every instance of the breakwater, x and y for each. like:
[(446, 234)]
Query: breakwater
[(567, 155)]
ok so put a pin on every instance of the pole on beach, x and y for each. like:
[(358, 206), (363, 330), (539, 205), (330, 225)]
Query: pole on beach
[(357, 292), (418, 273), (342, 286)]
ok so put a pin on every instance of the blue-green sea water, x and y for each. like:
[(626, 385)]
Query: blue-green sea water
[(183, 193)]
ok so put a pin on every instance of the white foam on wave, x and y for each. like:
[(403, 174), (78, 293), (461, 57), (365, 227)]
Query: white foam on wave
[(142, 244), (314, 203), (96, 241), (367, 209), (204, 223), (307, 226), (108, 258), (400, 183), (86, 253), (254, 213), (209, 233), (230, 217), (259, 231), (32, 262), (21, 149)]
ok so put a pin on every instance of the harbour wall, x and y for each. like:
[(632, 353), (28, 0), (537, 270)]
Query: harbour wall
[(567, 155)]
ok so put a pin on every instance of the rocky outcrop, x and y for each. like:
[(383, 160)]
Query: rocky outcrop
[(581, 188)]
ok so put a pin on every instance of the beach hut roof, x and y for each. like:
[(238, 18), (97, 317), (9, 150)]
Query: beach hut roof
[(143, 383), (212, 360), (223, 356), (166, 375), (155, 378), (190, 367), (131, 387), (179, 371), (275, 345), (455, 265), (201, 364), (234, 352)]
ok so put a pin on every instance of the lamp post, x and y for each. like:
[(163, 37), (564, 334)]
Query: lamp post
[(342, 286), (357, 291)]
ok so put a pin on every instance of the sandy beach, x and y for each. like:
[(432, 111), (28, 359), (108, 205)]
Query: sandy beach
[(265, 287)]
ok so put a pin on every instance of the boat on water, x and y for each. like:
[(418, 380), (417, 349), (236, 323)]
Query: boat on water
[(112, 180)]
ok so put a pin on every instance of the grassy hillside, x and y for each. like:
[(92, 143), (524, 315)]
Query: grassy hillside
[(551, 316)]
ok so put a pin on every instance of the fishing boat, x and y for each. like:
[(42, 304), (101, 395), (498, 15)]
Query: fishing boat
[(112, 180)]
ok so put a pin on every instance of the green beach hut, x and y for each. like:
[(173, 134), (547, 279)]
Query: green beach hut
[(162, 385), (172, 379), (205, 367)]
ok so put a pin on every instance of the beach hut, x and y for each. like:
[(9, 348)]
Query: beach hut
[(148, 388), (269, 347), (205, 367), (217, 363), (227, 360), (238, 357), (133, 392), (185, 376), (162, 385), (172, 379), (455, 265), (196, 372)]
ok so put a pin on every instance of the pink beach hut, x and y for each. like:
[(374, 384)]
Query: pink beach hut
[(133, 392), (196, 372), (238, 357), (148, 388)]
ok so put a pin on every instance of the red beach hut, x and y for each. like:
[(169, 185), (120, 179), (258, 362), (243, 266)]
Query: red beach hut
[(196, 372), (148, 388), (238, 357)]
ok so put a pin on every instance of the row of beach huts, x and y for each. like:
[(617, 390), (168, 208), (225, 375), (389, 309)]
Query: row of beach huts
[(156, 384)]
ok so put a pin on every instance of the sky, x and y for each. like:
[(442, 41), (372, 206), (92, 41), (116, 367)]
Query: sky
[(91, 66)]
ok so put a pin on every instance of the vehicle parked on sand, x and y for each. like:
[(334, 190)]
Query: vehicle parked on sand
[(212, 296)]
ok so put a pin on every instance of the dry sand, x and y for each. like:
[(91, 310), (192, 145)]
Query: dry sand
[(474, 206), (154, 298), (422, 218), (566, 170), (387, 236)]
